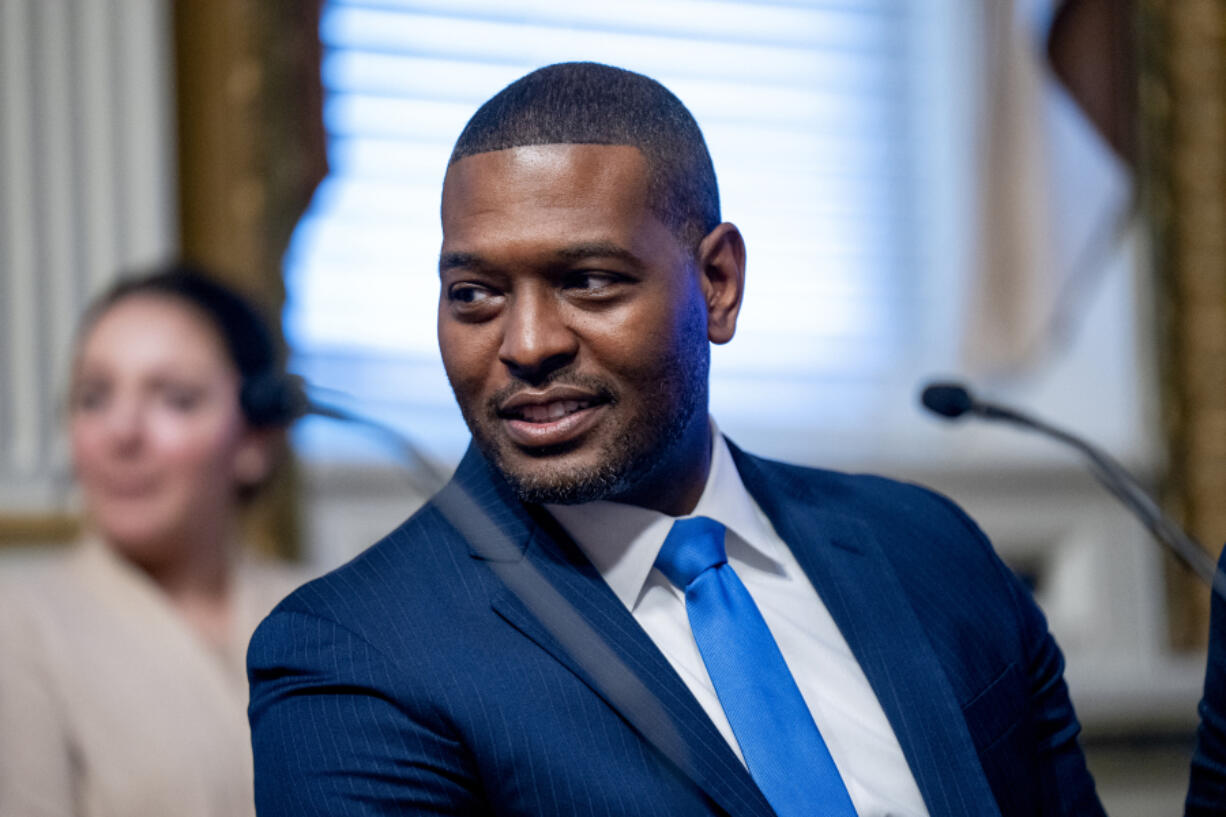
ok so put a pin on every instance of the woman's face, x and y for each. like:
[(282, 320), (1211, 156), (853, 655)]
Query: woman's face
[(159, 442)]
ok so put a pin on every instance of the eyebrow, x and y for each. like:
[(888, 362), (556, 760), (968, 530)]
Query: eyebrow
[(575, 252), (452, 260)]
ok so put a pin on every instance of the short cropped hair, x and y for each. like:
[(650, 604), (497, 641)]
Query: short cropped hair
[(590, 103)]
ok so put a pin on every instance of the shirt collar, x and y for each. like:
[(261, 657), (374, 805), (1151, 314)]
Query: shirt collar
[(622, 541)]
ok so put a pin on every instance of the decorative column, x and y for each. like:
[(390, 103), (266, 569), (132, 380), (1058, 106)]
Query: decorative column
[(1183, 164), (252, 151)]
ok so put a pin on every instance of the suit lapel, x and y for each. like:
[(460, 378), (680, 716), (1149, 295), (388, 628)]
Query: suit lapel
[(554, 596), (847, 567)]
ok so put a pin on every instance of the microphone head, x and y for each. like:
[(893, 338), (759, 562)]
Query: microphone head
[(274, 398), (949, 400)]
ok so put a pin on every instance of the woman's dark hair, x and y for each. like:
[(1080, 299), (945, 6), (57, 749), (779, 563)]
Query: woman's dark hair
[(269, 396)]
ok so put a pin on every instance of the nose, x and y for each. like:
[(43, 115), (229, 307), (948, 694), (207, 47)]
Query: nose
[(536, 341), (124, 425)]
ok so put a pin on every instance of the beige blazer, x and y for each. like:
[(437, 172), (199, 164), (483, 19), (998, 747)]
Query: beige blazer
[(110, 706)]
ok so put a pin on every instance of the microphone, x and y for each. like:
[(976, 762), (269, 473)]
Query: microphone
[(277, 398), (953, 400), (947, 399)]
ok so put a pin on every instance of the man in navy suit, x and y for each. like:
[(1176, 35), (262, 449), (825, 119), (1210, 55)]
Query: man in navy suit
[(528, 643), (1207, 786)]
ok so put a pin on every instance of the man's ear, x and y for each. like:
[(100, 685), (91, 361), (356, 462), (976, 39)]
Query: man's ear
[(721, 269)]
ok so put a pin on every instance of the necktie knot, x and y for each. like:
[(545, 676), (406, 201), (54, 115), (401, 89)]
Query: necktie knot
[(692, 546)]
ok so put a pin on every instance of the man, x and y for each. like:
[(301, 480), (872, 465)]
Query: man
[(547, 637), (1207, 782)]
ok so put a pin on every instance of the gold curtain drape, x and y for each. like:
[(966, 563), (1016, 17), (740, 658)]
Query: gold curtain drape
[(251, 152), (1183, 115)]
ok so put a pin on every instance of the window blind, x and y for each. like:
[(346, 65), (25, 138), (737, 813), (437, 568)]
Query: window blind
[(805, 108)]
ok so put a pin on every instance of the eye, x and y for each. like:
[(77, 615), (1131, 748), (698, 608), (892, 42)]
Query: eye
[(89, 397), (468, 293), (181, 398), (593, 282), (471, 301)]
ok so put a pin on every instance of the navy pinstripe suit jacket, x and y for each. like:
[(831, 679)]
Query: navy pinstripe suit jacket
[(474, 662), (1207, 785)]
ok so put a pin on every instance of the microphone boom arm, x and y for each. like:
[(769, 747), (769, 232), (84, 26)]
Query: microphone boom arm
[(1110, 473)]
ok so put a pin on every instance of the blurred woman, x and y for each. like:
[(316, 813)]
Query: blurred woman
[(122, 686)]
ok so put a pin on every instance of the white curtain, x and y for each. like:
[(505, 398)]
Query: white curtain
[(1052, 200)]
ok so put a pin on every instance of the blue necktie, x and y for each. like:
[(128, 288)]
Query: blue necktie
[(782, 746)]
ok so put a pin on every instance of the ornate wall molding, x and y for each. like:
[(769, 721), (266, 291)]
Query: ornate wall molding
[(251, 152), (1183, 114)]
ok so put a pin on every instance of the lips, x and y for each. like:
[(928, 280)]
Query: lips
[(549, 412), (124, 485), (555, 416), (130, 489)]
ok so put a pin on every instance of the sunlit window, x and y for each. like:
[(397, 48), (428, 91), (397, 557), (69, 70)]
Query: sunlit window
[(806, 110)]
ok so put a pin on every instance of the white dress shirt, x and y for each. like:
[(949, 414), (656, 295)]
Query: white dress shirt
[(622, 541)]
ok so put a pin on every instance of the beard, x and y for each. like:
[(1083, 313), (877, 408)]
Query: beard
[(670, 395)]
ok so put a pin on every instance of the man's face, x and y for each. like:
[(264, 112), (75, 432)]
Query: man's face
[(572, 324)]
